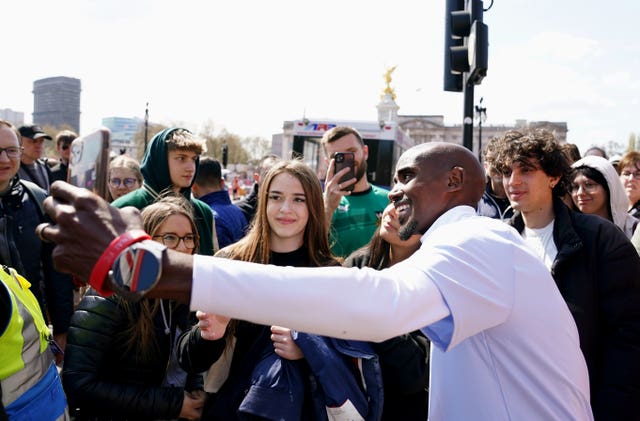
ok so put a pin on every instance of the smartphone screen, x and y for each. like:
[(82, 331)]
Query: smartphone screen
[(342, 160)]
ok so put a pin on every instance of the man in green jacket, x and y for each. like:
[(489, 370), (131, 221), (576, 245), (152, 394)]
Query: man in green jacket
[(169, 166)]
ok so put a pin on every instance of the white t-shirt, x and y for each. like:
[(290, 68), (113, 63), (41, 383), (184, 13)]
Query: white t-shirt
[(506, 346), (541, 242)]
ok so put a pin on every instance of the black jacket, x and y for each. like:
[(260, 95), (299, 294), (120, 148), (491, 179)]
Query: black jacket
[(20, 248), (59, 172), (404, 362), (249, 203), (597, 271), (103, 379)]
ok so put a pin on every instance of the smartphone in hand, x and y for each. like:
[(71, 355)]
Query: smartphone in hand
[(89, 161), (342, 160)]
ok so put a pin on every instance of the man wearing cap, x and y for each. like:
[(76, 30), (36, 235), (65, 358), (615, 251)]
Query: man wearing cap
[(32, 168)]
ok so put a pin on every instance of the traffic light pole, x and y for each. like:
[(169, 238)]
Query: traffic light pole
[(467, 126)]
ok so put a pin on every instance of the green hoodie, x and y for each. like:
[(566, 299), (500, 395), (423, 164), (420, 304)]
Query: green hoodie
[(157, 182)]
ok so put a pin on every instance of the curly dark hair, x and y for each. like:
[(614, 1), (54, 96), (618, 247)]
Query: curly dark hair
[(539, 144)]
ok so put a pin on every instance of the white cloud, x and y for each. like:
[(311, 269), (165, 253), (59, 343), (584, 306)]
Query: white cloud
[(562, 47)]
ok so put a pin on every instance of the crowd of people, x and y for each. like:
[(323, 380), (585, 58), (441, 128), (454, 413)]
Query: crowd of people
[(503, 290)]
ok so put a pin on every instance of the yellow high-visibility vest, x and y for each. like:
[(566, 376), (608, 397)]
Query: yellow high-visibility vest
[(24, 352)]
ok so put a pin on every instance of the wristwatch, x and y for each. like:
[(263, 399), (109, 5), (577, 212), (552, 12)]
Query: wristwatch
[(137, 269)]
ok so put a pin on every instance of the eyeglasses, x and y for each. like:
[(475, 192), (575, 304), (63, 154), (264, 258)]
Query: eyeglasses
[(588, 187), (12, 151), (65, 146), (128, 182), (635, 174), (172, 240)]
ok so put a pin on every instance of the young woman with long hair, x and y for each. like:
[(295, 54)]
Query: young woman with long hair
[(118, 360), (270, 368)]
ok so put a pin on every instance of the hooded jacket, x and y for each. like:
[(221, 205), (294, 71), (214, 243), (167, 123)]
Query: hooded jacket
[(157, 182), (618, 200)]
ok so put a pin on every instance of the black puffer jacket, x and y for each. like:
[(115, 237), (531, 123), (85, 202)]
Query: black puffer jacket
[(597, 271), (20, 248), (404, 362), (103, 379)]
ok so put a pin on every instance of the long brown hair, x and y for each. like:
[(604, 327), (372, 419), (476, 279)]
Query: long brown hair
[(139, 334), (255, 246)]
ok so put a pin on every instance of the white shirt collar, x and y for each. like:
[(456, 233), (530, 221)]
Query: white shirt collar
[(452, 215)]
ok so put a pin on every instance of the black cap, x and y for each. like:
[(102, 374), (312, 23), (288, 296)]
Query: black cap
[(33, 132)]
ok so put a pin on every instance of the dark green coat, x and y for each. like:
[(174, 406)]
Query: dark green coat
[(157, 182)]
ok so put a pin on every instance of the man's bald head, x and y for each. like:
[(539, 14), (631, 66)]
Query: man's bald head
[(432, 178), (438, 158)]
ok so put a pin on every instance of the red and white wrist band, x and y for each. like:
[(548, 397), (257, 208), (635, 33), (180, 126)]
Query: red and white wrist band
[(131, 265)]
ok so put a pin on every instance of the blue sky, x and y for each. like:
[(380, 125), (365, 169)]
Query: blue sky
[(249, 65)]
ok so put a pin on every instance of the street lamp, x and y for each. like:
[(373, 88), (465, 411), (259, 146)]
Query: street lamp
[(146, 126), (481, 115)]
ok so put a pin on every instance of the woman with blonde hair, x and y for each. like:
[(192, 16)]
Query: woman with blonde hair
[(124, 176)]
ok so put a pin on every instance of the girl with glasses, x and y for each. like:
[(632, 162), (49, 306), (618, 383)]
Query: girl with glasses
[(120, 361), (596, 189), (124, 176)]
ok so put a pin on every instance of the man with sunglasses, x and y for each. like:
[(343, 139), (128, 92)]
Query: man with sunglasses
[(32, 167), (63, 146), (20, 212)]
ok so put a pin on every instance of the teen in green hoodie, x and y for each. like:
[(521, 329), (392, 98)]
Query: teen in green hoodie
[(170, 164)]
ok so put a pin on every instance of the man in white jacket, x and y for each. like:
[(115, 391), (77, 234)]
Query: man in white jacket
[(505, 344)]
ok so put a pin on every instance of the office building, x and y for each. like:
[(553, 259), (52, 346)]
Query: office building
[(56, 102)]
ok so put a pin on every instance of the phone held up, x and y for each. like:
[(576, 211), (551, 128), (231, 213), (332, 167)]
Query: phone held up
[(342, 160), (89, 161)]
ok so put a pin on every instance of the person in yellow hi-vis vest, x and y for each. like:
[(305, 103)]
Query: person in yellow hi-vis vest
[(29, 380)]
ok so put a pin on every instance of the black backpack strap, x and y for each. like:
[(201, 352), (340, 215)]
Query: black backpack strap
[(37, 194)]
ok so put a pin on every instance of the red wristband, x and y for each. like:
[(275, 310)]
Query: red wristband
[(103, 266)]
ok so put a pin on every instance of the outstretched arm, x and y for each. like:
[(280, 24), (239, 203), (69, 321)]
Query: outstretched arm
[(332, 301)]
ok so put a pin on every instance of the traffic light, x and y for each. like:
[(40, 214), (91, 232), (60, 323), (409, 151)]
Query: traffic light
[(466, 40), (452, 80)]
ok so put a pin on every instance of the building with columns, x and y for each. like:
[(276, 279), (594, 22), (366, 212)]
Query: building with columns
[(391, 134)]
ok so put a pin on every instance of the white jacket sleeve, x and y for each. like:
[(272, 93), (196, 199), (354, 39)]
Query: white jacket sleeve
[(352, 303)]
